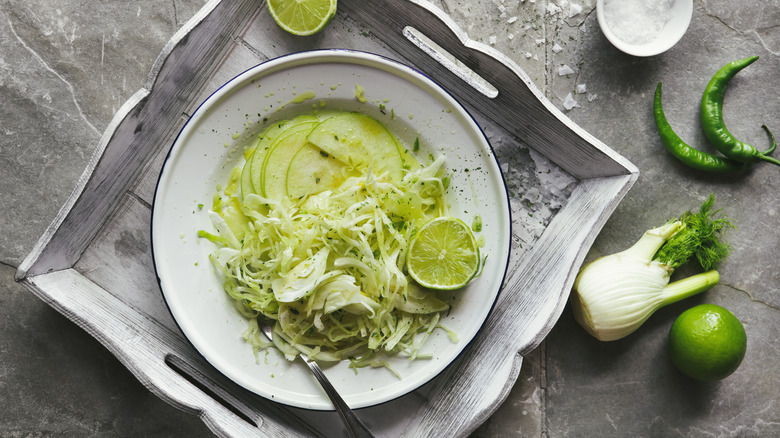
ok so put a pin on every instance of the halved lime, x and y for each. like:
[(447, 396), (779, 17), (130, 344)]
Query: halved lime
[(443, 254), (302, 17)]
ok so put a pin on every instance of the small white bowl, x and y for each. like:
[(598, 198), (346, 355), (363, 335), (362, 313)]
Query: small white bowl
[(672, 32)]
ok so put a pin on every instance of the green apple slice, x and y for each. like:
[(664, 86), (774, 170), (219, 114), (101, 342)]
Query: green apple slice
[(360, 141), (268, 134), (246, 177), (267, 140), (313, 170), (279, 157)]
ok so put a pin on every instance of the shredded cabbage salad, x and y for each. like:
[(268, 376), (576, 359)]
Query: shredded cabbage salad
[(329, 267)]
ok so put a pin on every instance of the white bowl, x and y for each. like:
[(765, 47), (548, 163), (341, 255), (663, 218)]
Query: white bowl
[(672, 31), (210, 146)]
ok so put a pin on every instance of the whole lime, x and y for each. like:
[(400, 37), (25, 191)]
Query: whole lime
[(707, 342)]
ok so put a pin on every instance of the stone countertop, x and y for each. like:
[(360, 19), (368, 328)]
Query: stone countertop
[(67, 66)]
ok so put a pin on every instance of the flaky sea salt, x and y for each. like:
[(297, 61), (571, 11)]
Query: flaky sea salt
[(637, 21), (582, 88), (492, 39), (569, 102), (557, 48), (565, 70)]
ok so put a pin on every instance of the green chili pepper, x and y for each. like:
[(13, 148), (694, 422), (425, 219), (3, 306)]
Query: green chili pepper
[(685, 153), (712, 118)]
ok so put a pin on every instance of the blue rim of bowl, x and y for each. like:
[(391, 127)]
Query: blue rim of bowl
[(332, 56)]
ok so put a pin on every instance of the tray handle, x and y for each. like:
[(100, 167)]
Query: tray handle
[(450, 62), (496, 86), (163, 362)]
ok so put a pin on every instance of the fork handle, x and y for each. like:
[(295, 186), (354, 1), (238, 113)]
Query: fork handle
[(355, 427)]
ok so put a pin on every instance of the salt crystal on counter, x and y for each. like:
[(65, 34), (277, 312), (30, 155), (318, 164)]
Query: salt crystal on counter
[(492, 39), (582, 88), (557, 48), (569, 102), (565, 70), (512, 19), (637, 21), (574, 10)]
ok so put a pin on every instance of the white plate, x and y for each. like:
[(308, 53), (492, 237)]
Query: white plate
[(211, 145)]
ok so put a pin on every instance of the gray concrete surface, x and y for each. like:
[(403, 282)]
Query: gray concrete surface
[(67, 65)]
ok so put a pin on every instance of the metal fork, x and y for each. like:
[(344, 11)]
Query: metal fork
[(355, 427)]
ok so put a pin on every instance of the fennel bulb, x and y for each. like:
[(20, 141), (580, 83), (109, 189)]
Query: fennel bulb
[(614, 295)]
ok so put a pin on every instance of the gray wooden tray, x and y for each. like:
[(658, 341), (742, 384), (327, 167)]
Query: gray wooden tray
[(94, 263)]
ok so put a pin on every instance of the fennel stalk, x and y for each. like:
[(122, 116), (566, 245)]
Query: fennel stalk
[(614, 295)]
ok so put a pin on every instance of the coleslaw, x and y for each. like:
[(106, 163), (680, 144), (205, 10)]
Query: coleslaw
[(328, 267)]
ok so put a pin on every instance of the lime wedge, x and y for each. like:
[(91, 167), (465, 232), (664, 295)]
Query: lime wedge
[(443, 254), (302, 17)]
